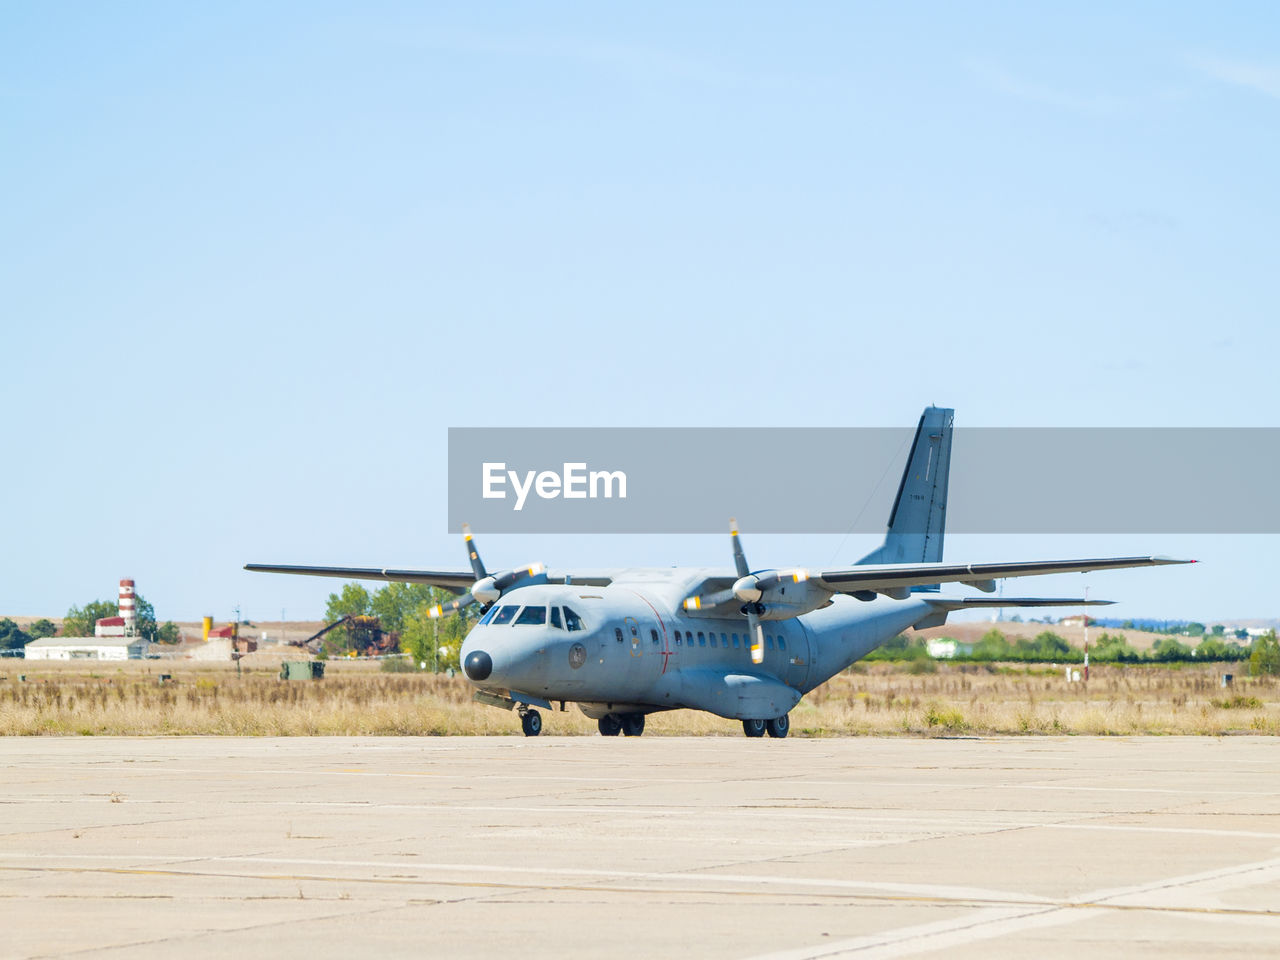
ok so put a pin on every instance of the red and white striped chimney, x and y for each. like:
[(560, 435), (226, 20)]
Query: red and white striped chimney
[(128, 610)]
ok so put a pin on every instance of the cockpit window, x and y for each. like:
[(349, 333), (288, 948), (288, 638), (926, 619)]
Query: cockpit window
[(504, 614), (555, 618), (488, 616), (532, 616), (571, 620)]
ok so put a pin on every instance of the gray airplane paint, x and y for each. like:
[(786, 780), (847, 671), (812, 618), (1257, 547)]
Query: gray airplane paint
[(626, 669), (628, 642)]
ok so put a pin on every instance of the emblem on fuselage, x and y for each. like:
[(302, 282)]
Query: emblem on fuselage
[(577, 655)]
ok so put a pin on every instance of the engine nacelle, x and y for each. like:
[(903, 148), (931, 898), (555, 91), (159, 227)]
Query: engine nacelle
[(786, 600), (485, 590)]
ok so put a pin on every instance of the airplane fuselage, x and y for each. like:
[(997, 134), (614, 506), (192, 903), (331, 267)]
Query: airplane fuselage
[(629, 648)]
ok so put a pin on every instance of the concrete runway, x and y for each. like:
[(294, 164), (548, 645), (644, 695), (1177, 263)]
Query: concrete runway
[(653, 847)]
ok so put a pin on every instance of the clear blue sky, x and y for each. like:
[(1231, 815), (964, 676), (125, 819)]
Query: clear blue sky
[(255, 259)]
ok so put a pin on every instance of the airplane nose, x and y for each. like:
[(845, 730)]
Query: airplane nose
[(478, 665)]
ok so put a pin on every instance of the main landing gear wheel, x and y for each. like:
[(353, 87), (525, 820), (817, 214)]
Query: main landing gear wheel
[(753, 728), (531, 723), (778, 727), (633, 724), (610, 725)]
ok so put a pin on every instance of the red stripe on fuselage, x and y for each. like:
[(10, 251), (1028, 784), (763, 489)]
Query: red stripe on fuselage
[(666, 647)]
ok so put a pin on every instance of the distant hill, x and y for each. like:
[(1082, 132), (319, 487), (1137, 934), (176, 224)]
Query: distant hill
[(972, 631)]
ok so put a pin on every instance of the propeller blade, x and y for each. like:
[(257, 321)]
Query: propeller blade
[(502, 581), (757, 634), (770, 579), (710, 600), (739, 558), (477, 565), (489, 589), (452, 607), (753, 590)]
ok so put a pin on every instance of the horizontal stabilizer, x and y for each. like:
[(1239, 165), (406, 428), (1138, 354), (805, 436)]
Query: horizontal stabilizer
[(964, 603), (880, 577), (941, 606)]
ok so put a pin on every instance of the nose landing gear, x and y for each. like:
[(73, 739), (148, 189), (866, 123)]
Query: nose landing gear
[(530, 722)]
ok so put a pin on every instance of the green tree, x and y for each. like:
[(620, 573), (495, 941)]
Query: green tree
[(1049, 646), (79, 621), (1193, 629), (1169, 650), (992, 646), (12, 637), (149, 628), (42, 628), (435, 642), (395, 603), (1264, 660), (1217, 649), (167, 633), (900, 648), (1113, 648), (352, 600)]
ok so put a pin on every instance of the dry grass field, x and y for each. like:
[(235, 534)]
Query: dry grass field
[(879, 699)]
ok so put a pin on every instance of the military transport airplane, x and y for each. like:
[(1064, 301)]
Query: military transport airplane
[(743, 644)]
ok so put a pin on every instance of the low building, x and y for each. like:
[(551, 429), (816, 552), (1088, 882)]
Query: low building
[(218, 648), (86, 648), (944, 648), (1076, 620)]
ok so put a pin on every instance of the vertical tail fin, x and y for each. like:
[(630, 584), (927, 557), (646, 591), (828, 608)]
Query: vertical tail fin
[(918, 520)]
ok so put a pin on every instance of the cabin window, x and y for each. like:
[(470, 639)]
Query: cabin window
[(724, 640), (677, 638), (768, 641), (617, 634), (555, 618), (782, 642), (505, 614), (702, 639), (635, 631), (571, 620), (735, 641), (713, 639), (653, 635), (532, 617)]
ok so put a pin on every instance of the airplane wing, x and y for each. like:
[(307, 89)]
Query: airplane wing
[(897, 577), (449, 580)]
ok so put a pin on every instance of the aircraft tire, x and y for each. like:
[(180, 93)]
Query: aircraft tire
[(753, 728), (531, 723), (610, 725), (778, 727), (633, 724)]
